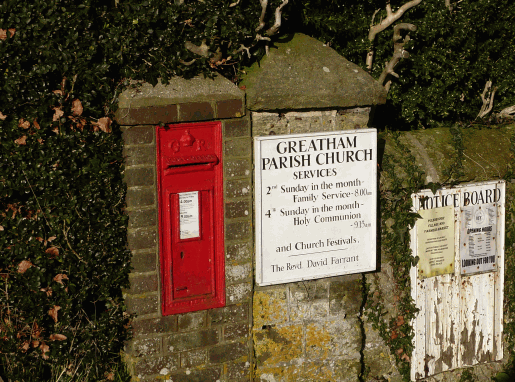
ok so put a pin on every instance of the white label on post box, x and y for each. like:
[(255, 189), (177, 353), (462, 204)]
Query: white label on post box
[(189, 221), (316, 205), (477, 238)]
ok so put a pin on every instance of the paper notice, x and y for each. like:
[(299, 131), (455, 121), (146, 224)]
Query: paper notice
[(477, 238), (435, 232), (189, 222)]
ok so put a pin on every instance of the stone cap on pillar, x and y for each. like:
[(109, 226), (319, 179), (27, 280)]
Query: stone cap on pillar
[(304, 73), (181, 100)]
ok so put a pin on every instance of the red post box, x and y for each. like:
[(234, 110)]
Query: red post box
[(191, 221)]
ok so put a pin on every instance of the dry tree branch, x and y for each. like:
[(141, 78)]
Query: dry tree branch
[(398, 52), (234, 4), (278, 19), (508, 112), (488, 99), (201, 50), (448, 5), (264, 5), (391, 17)]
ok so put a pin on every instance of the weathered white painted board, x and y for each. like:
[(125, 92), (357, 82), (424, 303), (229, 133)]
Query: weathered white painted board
[(460, 319)]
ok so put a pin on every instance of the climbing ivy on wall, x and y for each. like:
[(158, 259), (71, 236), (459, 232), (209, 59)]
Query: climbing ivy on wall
[(400, 177), (63, 256)]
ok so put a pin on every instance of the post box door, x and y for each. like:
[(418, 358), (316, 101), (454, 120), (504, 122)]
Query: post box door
[(191, 217)]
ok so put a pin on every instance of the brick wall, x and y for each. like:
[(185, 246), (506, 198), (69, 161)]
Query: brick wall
[(207, 345)]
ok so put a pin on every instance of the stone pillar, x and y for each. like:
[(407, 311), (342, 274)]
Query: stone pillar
[(206, 345)]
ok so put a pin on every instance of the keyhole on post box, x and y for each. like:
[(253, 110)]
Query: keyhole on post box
[(182, 255)]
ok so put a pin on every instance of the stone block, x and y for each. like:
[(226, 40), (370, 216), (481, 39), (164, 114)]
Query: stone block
[(236, 331), (144, 262), (239, 230), (345, 295), (188, 341), (264, 124), (157, 365), (139, 155), (139, 176), (238, 292), (238, 371), (138, 135), (195, 111), (237, 168), (229, 314), (237, 128), (139, 218), (143, 304), (238, 188), (192, 321), (142, 238), (278, 346), (228, 352), (238, 147), (161, 325), (270, 307), (143, 283), (140, 197), (309, 290), (146, 346), (232, 108), (194, 358), (196, 375), (356, 118), (147, 115), (237, 209), (238, 272), (238, 252), (309, 122)]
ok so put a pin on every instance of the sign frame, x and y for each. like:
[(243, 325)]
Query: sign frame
[(339, 173)]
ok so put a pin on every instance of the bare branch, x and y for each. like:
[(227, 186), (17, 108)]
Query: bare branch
[(508, 112), (202, 50), (488, 99), (278, 19), (448, 5), (234, 4), (188, 63), (391, 17), (398, 52), (264, 5)]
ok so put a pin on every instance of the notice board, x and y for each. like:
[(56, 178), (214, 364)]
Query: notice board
[(460, 318), (316, 205)]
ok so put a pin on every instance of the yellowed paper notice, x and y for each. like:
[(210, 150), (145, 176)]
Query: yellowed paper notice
[(435, 246)]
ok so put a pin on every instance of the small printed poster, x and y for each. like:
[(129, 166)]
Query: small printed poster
[(477, 238), (435, 232), (189, 222)]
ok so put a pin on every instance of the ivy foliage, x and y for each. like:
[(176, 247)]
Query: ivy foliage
[(399, 180), (63, 256), (453, 54)]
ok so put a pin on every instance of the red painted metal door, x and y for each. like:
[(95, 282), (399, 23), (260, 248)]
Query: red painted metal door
[(190, 179)]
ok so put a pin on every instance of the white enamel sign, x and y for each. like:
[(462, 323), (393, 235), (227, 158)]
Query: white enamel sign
[(316, 201)]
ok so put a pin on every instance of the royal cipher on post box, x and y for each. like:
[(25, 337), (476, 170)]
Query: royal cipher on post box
[(191, 221)]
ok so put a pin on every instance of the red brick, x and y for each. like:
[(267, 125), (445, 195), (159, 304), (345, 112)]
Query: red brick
[(230, 108), (195, 111)]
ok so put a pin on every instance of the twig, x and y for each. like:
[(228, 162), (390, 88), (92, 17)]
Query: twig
[(391, 17), (278, 19), (488, 99), (264, 5)]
